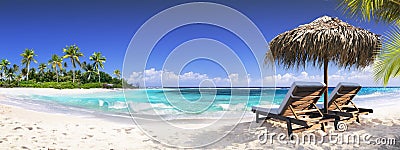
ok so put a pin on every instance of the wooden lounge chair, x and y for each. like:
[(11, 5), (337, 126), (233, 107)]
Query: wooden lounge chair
[(298, 107), (341, 102)]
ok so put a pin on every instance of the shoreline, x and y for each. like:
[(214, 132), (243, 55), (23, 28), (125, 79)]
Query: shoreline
[(24, 128)]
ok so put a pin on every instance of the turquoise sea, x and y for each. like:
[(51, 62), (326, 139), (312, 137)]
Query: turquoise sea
[(178, 103)]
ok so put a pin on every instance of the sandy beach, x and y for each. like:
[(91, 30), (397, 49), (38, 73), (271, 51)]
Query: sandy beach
[(22, 128)]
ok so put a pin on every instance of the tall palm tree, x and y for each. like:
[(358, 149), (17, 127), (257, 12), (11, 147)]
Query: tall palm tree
[(89, 69), (98, 61), (27, 58), (3, 67), (117, 73), (388, 63), (73, 53), (55, 62)]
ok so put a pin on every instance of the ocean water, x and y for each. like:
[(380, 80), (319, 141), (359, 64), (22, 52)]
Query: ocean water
[(182, 103)]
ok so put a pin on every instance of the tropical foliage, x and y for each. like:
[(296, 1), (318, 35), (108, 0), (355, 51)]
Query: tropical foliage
[(27, 58), (117, 73), (379, 10), (388, 11), (54, 73), (388, 64), (72, 52), (3, 67), (55, 62), (98, 61)]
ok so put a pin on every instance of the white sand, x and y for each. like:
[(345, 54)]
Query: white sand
[(21, 128)]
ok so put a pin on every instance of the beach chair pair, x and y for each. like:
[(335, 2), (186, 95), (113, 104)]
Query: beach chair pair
[(341, 102), (300, 107)]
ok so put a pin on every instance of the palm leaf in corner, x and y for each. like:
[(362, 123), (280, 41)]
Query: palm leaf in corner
[(388, 64), (379, 10)]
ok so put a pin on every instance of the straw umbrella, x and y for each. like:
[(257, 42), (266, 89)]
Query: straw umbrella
[(325, 40)]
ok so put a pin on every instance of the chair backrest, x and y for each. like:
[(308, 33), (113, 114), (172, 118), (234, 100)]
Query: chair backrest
[(301, 96), (343, 93)]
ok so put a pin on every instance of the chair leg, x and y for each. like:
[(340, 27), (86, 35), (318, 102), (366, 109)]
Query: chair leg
[(257, 117), (323, 127), (289, 127), (358, 118), (335, 124)]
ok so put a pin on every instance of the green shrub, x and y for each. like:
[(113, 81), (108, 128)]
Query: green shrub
[(91, 85)]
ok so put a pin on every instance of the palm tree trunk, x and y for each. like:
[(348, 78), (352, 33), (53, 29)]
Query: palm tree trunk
[(73, 76), (27, 74), (98, 72), (326, 83), (57, 75)]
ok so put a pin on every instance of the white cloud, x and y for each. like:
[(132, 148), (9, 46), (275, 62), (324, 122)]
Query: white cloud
[(153, 77), (363, 77)]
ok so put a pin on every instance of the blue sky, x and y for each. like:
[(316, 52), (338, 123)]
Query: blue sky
[(108, 26)]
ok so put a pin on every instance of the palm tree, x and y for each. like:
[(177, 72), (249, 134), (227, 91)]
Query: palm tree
[(32, 72), (42, 68), (27, 58), (72, 52), (387, 65), (10, 74), (16, 68), (3, 67), (117, 73), (89, 69), (98, 61), (55, 62), (18, 79), (24, 71)]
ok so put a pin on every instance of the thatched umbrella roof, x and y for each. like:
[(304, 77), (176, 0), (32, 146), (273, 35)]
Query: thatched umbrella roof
[(324, 40)]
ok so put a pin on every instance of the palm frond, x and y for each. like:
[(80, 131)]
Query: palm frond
[(388, 63), (378, 10)]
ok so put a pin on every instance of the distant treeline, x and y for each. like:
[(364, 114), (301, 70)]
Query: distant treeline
[(54, 73)]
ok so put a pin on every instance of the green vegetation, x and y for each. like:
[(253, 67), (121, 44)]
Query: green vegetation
[(98, 61), (388, 64), (27, 58), (54, 74), (72, 52), (388, 11)]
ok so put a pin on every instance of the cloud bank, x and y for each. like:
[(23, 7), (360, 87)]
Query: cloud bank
[(153, 77)]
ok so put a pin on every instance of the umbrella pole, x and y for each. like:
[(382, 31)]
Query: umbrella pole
[(326, 82)]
